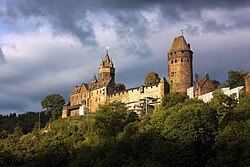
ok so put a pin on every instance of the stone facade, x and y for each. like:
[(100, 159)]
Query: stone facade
[(87, 97), (180, 67)]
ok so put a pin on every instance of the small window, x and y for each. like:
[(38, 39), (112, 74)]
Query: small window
[(174, 52), (172, 61), (182, 51), (187, 60), (181, 60), (175, 60), (171, 53)]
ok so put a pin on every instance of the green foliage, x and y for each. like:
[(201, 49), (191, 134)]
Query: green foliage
[(170, 100), (53, 105), (194, 128), (233, 145), (236, 78), (25, 121), (222, 103), (181, 132), (112, 118), (151, 79)]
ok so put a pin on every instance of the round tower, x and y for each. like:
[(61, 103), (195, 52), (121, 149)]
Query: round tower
[(180, 66)]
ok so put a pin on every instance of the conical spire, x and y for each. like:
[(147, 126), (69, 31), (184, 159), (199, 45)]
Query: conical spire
[(106, 62), (94, 79), (106, 59), (179, 44)]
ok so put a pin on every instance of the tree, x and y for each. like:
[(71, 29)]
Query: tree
[(151, 79), (112, 118), (172, 99), (119, 87), (222, 103), (196, 77), (192, 129), (53, 105), (236, 78), (232, 145)]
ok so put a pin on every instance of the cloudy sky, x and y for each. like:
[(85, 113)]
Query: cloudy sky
[(49, 46)]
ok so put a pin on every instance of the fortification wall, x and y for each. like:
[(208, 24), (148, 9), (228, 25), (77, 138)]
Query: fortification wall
[(133, 97)]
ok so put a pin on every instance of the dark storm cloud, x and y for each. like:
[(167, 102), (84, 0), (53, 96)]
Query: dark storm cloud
[(70, 16), (35, 78), (64, 16)]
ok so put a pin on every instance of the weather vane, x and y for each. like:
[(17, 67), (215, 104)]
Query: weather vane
[(107, 50), (182, 32)]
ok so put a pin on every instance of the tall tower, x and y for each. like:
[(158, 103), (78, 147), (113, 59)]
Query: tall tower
[(180, 66), (106, 69)]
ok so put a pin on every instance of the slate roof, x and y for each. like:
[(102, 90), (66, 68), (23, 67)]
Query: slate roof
[(179, 44)]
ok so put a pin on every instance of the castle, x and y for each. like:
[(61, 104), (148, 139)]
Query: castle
[(87, 97)]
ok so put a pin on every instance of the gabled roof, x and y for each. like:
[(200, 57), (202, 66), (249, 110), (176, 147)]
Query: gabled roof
[(179, 44), (76, 90), (205, 79), (99, 84)]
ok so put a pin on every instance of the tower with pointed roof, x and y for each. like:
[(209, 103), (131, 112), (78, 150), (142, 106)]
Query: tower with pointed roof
[(106, 70), (180, 66)]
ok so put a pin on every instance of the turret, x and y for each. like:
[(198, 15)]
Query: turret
[(94, 79), (106, 70)]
